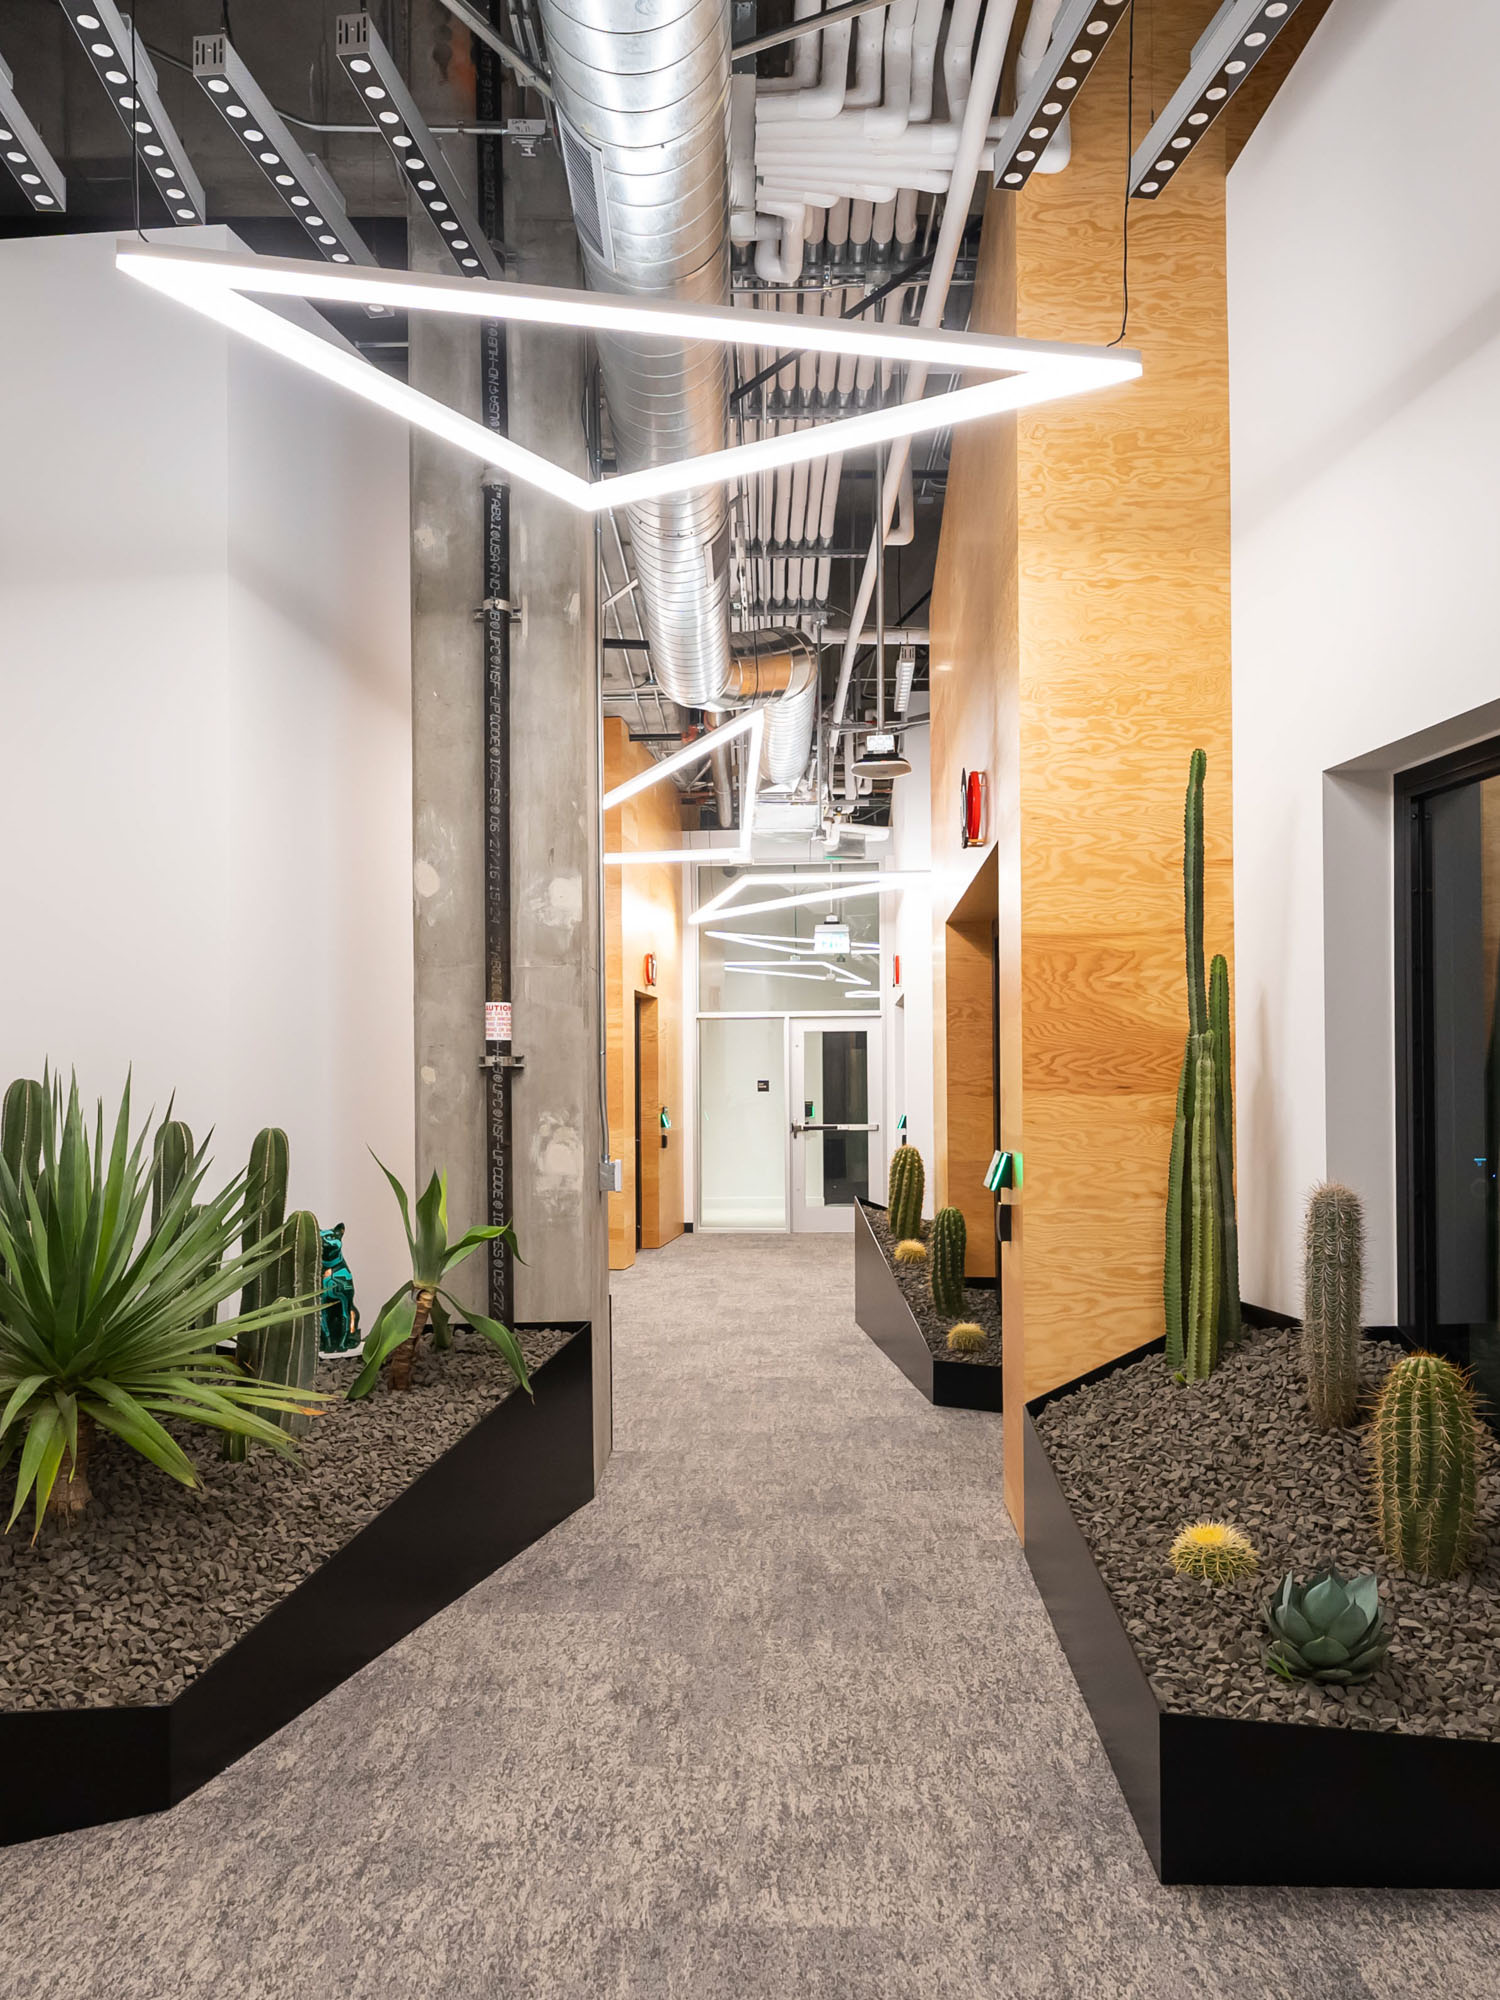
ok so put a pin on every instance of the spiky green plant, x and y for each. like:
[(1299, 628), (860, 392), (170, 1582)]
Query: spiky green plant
[(265, 1217), (423, 1298), (966, 1337), (21, 1121), (1426, 1451), (1200, 1272), (1332, 1293), (1212, 1551), (1331, 1628), (949, 1241), (907, 1187), (100, 1312)]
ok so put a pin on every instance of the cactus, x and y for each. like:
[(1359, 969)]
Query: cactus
[(966, 1337), (1332, 1288), (1200, 1272), (1205, 1272), (25, 1113), (171, 1160), (948, 1244), (910, 1250), (265, 1212), (1426, 1438), (288, 1351), (1213, 1552), (907, 1186)]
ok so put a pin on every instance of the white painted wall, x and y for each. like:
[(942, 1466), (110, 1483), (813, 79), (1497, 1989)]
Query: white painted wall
[(1364, 321), (205, 694)]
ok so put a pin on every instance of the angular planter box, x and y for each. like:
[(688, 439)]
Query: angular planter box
[(1284, 1803), (519, 1472), (880, 1308)]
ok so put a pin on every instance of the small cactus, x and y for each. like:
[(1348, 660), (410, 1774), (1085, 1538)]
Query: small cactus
[(949, 1237), (1426, 1448), (1332, 1289), (171, 1161), (966, 1337), (910, 1250), (25, 1113), (1213, 1552), (907, 1187)]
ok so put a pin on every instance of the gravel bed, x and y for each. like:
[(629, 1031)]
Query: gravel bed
[(1139, 1455), (158, 1579), (981, 1302)]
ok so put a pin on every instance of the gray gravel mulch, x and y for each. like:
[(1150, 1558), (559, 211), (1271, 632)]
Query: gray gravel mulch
[(981, 1302), (1139, 1455), (158, 1579)]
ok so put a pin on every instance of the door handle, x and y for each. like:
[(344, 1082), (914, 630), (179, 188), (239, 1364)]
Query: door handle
[(835, 1128)]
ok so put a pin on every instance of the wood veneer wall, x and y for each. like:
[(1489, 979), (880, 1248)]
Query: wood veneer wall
[(642, 913), (1081, 650)]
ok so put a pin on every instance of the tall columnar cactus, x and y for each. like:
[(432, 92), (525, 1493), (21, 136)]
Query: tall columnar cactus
[(171, 1157), (287, 1351), (265, 1214), (21, 1121), (1332, 1292), (949, 1241), (1426, 1437), (908, 1182), (1200, 1277)]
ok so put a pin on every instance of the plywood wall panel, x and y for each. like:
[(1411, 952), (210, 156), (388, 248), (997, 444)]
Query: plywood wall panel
[(1113, 560)]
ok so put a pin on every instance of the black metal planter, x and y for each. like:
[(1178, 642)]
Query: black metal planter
[(519, 1472), (1222, 1801), (881, 1310)]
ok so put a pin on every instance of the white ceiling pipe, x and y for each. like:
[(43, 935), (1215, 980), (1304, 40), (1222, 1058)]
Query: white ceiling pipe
[(805, 53), (958, 55), (928, 26), (869, 49), (823, 99), (989, 62)]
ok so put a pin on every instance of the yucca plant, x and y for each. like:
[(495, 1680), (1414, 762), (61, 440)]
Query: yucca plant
[(423, 1300), (106, 1312)]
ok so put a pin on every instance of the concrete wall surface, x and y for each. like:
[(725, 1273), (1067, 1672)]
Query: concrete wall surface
[(205, 705), (1365, 447)]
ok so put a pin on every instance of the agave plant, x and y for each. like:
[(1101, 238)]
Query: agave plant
[(107, 1312), (422, 1300), (1331, 1628)]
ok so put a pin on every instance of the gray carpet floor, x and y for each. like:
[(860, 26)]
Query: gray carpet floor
[(779, 1714)]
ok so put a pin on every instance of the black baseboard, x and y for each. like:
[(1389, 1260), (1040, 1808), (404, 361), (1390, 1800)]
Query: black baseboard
[(1267, 1316), (518, 1473)]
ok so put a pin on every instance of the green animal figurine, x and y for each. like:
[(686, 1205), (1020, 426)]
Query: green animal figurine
[(340, 1331)]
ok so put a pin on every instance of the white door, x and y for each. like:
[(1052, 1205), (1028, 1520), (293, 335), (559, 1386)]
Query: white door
[(835, 1122)]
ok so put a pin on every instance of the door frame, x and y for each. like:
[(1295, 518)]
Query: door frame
[(1415, 1081), (834, 1219)]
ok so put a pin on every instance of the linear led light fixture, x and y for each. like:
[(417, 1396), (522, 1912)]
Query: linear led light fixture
[(769, 879), (36, 173), (783, 941), (792, 969), (120, 60), (866, 885), (1025, 372), (750, 723), (392, 109), (1079, 36), (302, 183), (1236, 39)]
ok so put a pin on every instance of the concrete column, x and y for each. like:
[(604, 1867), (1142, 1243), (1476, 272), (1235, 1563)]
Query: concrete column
[(561, 1214), (447, 701)]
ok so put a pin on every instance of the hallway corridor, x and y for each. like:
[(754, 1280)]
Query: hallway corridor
[(778, 1715)]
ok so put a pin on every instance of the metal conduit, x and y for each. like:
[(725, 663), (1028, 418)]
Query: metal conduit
[(642, 99)]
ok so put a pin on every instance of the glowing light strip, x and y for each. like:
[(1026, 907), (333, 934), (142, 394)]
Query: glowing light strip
[(36, 173), (750, 722), (716, 904), (877, 887), (127, 72), (212, 282), (784, 941), (803, 969)]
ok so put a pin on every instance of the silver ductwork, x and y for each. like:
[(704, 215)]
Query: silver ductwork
[(642, 102), (781, 675)]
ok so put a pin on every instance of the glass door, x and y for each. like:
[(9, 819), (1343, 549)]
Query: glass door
[(742, 1141), (835, 1124)]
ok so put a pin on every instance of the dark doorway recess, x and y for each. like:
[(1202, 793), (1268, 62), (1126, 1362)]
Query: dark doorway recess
[(1447, 850)]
